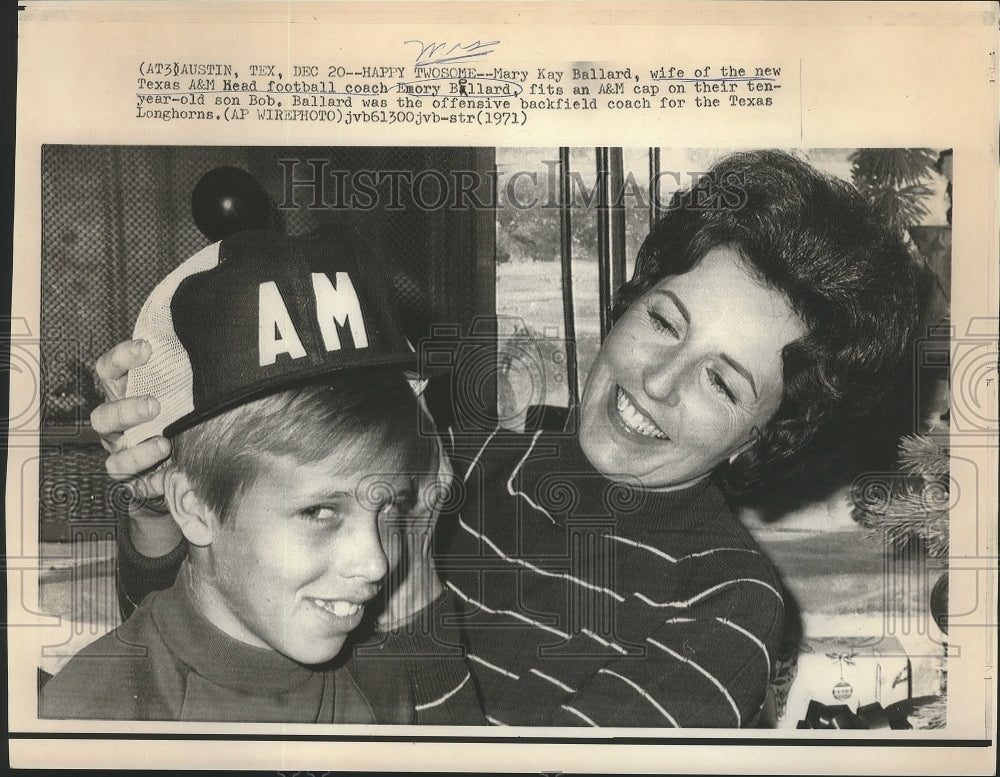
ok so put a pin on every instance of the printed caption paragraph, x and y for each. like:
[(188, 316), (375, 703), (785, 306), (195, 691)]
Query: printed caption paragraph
[(449, 84)]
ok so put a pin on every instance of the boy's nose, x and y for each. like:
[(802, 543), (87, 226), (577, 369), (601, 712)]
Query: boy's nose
[(362, 552)]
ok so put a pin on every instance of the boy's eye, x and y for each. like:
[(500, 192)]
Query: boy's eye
[(661, 324), (719, 384)]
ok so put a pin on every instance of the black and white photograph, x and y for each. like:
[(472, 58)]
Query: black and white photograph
[(504, 387), (627, 437)]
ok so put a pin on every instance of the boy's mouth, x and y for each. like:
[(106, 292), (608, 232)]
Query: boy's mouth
[(338, 607), (634, 419)]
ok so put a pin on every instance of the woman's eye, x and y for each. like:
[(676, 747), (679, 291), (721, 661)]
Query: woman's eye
[(320, 513), (662, 324), (719, 384), (402, 505)]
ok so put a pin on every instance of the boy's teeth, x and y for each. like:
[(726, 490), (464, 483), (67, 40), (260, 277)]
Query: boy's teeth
[(337, 607), (635, 420)]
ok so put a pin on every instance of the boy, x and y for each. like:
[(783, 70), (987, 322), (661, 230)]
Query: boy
[(277, 364)]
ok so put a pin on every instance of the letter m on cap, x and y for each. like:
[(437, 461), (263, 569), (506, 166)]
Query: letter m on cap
[(338, 307)]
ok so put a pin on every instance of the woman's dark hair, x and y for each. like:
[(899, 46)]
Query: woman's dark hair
[(848, 277)]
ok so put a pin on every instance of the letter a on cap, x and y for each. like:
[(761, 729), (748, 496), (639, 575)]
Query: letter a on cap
[(275, 331)]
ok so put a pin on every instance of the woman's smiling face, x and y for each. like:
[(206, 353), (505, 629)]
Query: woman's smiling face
[(688, 374)]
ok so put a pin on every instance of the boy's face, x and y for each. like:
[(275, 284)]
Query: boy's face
[(299, 556)]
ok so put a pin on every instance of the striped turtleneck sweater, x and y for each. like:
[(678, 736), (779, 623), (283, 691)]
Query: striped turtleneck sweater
[(589, 602)]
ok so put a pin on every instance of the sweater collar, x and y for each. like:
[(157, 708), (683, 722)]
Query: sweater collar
[(215, 655), (557, 458)]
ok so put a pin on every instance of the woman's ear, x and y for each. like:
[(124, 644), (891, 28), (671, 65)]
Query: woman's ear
[(196, 520)]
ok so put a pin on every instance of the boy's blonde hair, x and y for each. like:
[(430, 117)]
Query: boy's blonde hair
[(370, 416)]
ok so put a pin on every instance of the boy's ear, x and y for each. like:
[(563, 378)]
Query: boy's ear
[(197, 521)]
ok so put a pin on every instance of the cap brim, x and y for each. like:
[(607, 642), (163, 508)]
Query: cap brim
[(262, 389)]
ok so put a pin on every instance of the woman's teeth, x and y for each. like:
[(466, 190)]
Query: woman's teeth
[(336, 607), (635, 420)]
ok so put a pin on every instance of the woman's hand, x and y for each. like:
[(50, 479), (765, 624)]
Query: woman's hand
[(119, 413), (413, 582), (152, 530)]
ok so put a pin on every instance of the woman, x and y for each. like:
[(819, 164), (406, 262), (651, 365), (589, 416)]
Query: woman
[(603, 578)]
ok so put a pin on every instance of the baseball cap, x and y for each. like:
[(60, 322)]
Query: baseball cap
[(256, 313)]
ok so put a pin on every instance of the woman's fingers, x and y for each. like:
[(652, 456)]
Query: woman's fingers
[(435, 488), (119, 413), (113, 365), (149, 488), (129, 462), (111, 418)]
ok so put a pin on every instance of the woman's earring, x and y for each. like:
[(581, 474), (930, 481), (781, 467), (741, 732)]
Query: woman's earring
[(745, 447)]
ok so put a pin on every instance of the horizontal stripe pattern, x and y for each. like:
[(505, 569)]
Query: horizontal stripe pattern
[(445, 697), (704, 664)]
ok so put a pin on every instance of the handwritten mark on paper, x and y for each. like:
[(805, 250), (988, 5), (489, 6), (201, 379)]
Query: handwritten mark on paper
[(444, 53)]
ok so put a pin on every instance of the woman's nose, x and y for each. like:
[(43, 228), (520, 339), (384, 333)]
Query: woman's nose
[(662, 380)]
